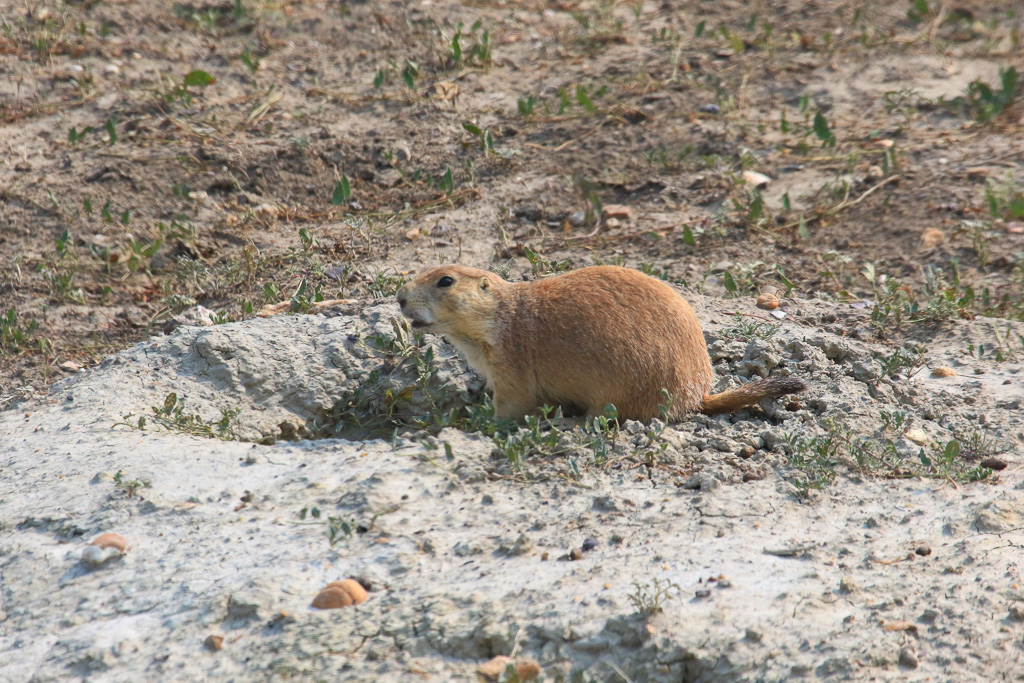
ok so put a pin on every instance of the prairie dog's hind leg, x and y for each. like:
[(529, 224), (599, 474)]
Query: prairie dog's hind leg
[(512, 405)]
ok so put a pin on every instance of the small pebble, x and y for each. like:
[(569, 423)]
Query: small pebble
[(710, 109), (768, 302), (756, 179), (575, 554), (344, 593), (703, 593), (617, 211), (526, 669), (931, 238), (95, 556), (214, 643), (943, 372), (918, 436), (908, 658), (993, 464), (116, 541), (923, 550), (747, 452), (589, 544)]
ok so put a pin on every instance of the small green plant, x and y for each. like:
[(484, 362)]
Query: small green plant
[(977, 445), (919, 11), (484, 137), (1004, 198), (14, 334), (503, 270), (304, 297), (342, 191), (895, 304), (478, 53), (983, 103), (61, 271), (410, 72), (61, 281), (129, 486), (526, 106), (140, 254), (744, 329), (908, 358), (597, 24), (600, 433), (905, 102), (881, 456), (653, 271), (822, 131), (814, 458), (215, 20), (980, 233), (538, 437), (750, 207), (382, 402), (649, 598), (251, 62), (541, 266), (338, 528), (895, 420), (947, 299), (948, 462), (172, 416), (180, 93), (384, 284), (74, 137), (587, 192)]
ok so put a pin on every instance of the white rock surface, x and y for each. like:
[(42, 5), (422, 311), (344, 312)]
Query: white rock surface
[(464, 553)]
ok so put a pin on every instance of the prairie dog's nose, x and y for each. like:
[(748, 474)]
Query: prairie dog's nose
[(400, 295)]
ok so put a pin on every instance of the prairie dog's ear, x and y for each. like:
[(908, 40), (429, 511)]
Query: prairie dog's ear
[(485, 283)]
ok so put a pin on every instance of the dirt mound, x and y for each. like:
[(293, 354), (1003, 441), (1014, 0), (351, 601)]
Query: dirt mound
[(710, 550)]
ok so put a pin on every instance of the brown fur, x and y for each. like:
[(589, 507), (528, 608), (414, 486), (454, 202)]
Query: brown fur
[(585, 339)]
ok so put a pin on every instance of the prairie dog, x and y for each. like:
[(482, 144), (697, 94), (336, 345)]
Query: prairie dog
[(581, 340)]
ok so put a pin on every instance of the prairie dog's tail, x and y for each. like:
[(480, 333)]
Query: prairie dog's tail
[(750, 393)]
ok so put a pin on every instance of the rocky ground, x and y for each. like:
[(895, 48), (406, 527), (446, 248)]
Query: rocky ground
[(699, 551), (167, 165)]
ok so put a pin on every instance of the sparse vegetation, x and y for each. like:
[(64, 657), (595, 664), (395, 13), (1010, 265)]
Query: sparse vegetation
[(338, 528), (817, 460), (129, 486), (649, 598), (747, 329), (15, 334), (172, 417)]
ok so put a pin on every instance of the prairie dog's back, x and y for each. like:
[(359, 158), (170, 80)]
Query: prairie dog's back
[(608, 335)]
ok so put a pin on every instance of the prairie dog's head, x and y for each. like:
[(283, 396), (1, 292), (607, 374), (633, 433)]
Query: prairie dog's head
[(453, 300)]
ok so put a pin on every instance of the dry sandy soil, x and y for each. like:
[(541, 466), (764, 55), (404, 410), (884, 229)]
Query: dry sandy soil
[(862, 161)]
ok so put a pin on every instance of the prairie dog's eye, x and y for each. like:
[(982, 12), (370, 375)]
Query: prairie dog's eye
[(446, 282)]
